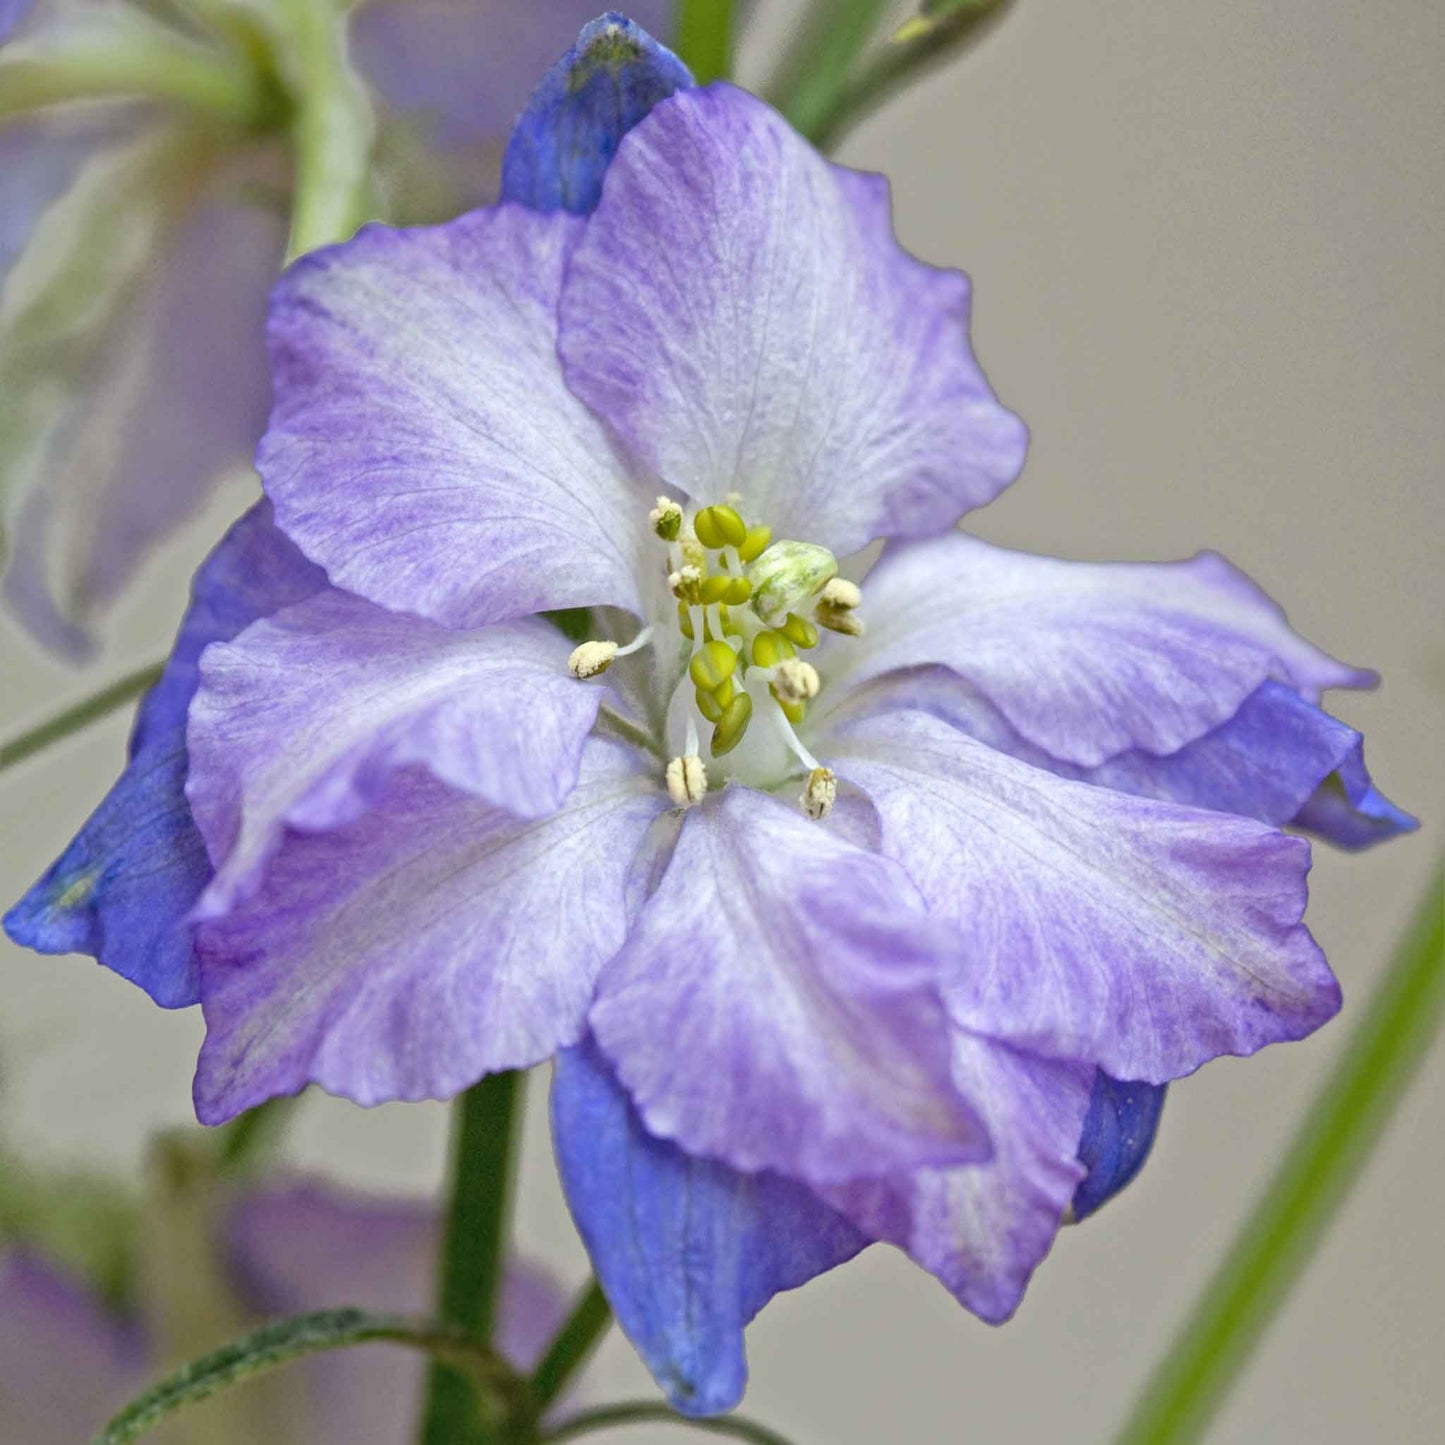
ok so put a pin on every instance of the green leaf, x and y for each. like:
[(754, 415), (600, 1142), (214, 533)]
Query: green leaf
[(1328, 1154), (293, 1339)]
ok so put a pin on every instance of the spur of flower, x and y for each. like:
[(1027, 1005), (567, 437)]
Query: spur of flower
[(853, 903)]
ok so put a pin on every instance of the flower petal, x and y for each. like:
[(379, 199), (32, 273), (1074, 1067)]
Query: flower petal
[(124, 888), (302, 719), (1140, 936), (687, 1250), (1279, 759), (66, 1364), (423, 447), (1118, 1135), (982, 1229), (433, 940), (604, 85), (776, 1004), (740, 312), (1087, 660)]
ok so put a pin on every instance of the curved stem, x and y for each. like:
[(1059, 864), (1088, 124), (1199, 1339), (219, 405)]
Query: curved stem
[(703, 38), (85, 712), (911, 56), (484, 1123), (572, 1344), (183, 76), (1327, 1155), (821, 58), (293, 1339), (331, 129), (649, 1412)]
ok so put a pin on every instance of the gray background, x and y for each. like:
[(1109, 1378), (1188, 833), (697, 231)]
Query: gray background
[(1207, 251)]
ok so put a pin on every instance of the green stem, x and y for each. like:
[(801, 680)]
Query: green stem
[(182, 76), (254, 1133), (704, 38), (821, 58), (484, 1126), (903, 63), (89, 710), (1328, 1153), (331, 129), (572, 1344), (649, 1412)]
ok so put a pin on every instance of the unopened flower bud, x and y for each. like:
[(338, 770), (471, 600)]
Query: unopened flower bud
[(820, 794), (591, 658), (686, 781)]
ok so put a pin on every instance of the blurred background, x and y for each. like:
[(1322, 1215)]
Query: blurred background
[(1207, 249)]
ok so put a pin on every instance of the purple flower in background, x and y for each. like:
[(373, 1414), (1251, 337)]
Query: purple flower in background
[(68, 1360), (854, 904)]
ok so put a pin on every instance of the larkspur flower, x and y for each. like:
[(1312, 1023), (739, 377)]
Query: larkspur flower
[(70, 1358), (853, 904), (137, 247)]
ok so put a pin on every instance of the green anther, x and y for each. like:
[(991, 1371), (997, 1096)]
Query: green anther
[(739, 591), (712, 665), (793, 711), (771, 648), (787, 575), (715, 589), (718, 527), (755, 543), (684, 621), (711, 705), (799, 631), (733, 724)]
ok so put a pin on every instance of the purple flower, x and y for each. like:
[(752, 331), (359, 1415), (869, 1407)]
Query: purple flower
[(68, 1360), (845, 898)]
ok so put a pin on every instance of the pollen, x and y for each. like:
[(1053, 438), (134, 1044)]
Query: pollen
[(686, 781), (795, 681), (591, 659), (820, 794)]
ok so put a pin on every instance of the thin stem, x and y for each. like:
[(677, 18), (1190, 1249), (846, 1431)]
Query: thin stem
[(85, 712), (572, 1344), (1327, 1155), (821, 58), (902, 64), (254, 1133), (649, 1412), (484, 1127), (183, 76), (704, 38), (331, 130), (626, 729)]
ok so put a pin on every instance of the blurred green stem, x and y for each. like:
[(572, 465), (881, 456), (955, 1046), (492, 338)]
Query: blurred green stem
[(184, 76), (649, 1412), (85, 712), (572, 1344), (484, 1128), (821, 58), (1327, 1155), (331, 128), (703, 37), (917, 50)]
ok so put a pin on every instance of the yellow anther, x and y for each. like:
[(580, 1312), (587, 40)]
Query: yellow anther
[(787, 575), (684, 621), (739, 589), (799, 631), (715, 589), (841, 594), (719, 527), (591, 658), (838, 619), (666, 519), (686, 583), (732, 725), (795, 681), (820, 794), (712, 665), (712, 705), (755, 543), (771, 648), (686, 781)]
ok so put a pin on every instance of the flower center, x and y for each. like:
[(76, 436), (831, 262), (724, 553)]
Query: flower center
[(745, 608)]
